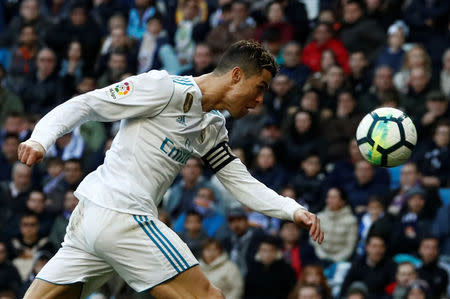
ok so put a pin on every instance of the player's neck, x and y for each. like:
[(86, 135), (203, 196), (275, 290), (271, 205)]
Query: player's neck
[(213, 88)]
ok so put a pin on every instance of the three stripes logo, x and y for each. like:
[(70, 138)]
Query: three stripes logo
[(219, 156)]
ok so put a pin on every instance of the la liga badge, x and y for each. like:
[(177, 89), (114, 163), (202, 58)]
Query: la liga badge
[(120, 90)]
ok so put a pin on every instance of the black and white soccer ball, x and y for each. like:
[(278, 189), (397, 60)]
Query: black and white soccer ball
[(386, 137)]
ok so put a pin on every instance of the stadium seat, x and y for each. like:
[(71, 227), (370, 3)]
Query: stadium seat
[(445, 195), (395, 176)]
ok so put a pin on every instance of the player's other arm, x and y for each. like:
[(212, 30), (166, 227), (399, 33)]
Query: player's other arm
[(254, 194), (144, 95)]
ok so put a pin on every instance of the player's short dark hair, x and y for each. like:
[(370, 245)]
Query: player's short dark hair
[(248, 55)]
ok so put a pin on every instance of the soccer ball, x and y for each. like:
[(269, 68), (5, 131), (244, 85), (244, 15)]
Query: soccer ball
[(386, 137)]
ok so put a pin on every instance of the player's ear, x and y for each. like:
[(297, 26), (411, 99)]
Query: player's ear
[(236, 74)]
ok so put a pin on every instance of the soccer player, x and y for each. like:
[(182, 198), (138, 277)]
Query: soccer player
[(165, 120)]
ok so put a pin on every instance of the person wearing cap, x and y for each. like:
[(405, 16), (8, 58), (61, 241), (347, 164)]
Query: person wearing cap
[(411, 226), (394, 54), (357, 290), (269, 276), (243, 240)]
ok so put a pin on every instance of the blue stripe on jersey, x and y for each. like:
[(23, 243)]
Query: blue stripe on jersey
[(171, 245), (161, 241), (154, 241), (182, 83), (181, 78)]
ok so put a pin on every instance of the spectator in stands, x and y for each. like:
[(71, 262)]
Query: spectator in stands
[(434, 157), (310, 101), (445, 73), (8, 155), (410, 177), (441, 229), (186, 30), (202, 61), (117, 66), (193, 234), (313, 275), (116, 21), (292, 66), (42, 89), (268, 275), (340, 226), (276, 19), (239, 27), (297, 251), (28, 243), (419, 86), (323, 38), (418, 289), (430, 271), (220, 270), (308, 182), (73, 174), (9, 276), (309, 292), (281, 95), (364, 184), (138, 17), (180, 196), (295, 12), (437, 109), (360, 77), (405, 276), (23, 58), (155, 51), (374, 269), (301, 138), (246, 130), (416, 56), (243, 241), (73, 64), (317, 80), (36, 204), (357, 290), (14, 193), (79, 26), (267, 170), (382, 83), (15, 124), (58, 230), (205, 203), (375, 211), (410, 228), (393, 54), (9, 102), (68, 146), (334, 82), (39, 260), (341, 127), (356, 28), (29, 14)]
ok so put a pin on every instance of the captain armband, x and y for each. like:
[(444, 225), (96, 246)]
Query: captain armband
[(219, 156)]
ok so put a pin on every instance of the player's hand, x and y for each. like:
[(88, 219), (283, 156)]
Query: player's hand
[(310, 221), (31, 152)]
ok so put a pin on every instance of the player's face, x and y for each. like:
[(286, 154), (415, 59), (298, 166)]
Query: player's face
[(247, 92)]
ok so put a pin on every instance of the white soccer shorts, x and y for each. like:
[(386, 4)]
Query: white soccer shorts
[(99, 241)]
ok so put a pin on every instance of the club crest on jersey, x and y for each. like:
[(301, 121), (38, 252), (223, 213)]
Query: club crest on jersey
[(120, 90), (181, 120), (188, 102)]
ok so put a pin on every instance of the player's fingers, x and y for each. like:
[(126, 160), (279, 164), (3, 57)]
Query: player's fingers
[(32, 157), (322, 235), (313, 227), (24, 154), (318, 229), (20, 151)]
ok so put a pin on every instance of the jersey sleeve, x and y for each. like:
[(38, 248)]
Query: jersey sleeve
[(241, 184), (144, 95)]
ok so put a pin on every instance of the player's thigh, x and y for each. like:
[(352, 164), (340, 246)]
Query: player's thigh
[(41, 289), (192, 283)]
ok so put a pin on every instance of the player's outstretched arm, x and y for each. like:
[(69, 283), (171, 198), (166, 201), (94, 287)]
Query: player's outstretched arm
[(254, 194), (31, 152)]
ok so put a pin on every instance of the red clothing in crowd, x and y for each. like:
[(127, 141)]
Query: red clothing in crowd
[(312, 54)]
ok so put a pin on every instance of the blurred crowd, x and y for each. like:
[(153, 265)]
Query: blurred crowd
[(387, 231)]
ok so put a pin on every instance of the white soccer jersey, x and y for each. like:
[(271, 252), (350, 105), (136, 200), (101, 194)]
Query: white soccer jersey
[(162, 126)]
